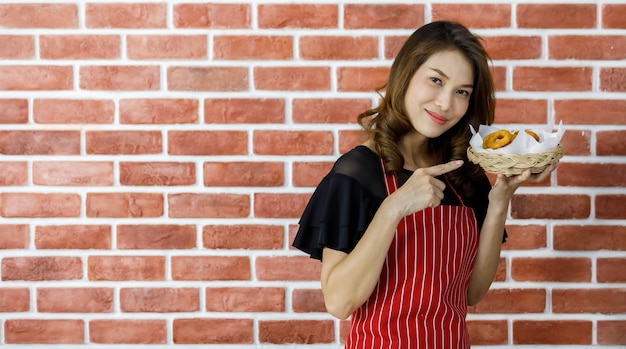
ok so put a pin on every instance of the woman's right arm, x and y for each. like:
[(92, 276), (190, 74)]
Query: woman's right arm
[(348, 280)]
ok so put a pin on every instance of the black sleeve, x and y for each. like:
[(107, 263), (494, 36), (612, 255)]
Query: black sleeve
[(337, 215), (480, 202)]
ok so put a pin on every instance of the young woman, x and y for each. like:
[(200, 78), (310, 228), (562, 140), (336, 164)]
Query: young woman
[(408, 231)]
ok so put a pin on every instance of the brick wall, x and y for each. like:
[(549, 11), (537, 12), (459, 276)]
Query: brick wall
[(157, 155)]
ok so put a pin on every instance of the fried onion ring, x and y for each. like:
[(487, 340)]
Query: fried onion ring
[(532, 134), (498, 139)]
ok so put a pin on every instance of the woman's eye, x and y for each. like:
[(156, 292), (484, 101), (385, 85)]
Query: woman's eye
[(463, 93), (436, 80)]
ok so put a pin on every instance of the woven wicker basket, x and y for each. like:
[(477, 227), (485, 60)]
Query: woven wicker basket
[(514, 164)]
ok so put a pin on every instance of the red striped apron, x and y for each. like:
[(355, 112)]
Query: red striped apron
[(420, 300)]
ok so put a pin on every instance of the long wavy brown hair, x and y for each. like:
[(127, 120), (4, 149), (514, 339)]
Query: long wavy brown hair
[(388, 122)]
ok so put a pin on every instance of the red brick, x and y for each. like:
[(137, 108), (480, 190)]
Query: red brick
[(48, 16), (296, 331), (29, 331), (550, 206), (73, 173), (530, 111), (271, 142), (14, 173), (75, 300), (207, 79), (311, 16), (157, 173), (244, 174), (159, 111), (591, 174), (576, 142), (488, 332), (73, 237), (613, 79), (393, 44), (552, 79), (207, 142), (208, 205), (39, 142), (13, 300), (166, 46), (574, 16), (513, 46), (13, 111), (501, 271), (562, 269), (328, 110), (350, 138), (552, 332), (41, 268), (212, 268), (361, 79), (499, 75), (511, 301), (79, 46), (156, 237), (611, 269), (17, 46), (14, 236), (351, 48), (244, 236), (587, 47), (383, 16), (473, 15), (589, 237), (585, 111), (287, 205), (605, 301), (213, 331), (309, 174), (245, 299), (124, 205), (126, 268), (212, 15), (34, 205), (613, 17), (610, 206), (131, 16), (610, 143), (73, 111), (244, 111), (525, 237), (308, 301), (128, 331), (159, 300), (123, 142), (292, 78), (120, 78), (287, 268), (252, 47), (36, 77), (611, 332)]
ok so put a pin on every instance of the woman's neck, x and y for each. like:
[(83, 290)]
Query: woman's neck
[(415, 149)]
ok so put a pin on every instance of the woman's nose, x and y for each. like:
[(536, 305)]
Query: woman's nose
[(443, 101)]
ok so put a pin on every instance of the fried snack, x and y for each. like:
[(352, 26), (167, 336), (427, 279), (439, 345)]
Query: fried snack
[(532, 134), (498, 139)]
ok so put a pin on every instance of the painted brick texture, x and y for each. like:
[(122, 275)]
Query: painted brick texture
[(157, 156)]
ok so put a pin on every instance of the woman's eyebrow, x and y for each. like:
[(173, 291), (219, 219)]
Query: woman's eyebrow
[(438, 71)]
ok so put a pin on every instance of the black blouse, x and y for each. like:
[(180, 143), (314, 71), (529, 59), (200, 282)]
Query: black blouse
[(345, 201)]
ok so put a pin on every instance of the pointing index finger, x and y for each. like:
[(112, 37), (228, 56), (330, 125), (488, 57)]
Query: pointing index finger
[(443, 168)]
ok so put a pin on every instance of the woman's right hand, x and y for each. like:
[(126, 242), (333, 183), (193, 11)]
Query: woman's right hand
[(422, 189)]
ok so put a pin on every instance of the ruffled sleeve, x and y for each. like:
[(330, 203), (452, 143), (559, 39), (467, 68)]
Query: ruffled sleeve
[(336, 216)]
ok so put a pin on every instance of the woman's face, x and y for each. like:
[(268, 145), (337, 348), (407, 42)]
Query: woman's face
[(439, 93)]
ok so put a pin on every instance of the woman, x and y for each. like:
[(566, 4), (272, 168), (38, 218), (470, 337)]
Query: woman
[(408, 231)]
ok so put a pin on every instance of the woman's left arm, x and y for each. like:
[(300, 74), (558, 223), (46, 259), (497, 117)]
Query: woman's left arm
[(490, 242)]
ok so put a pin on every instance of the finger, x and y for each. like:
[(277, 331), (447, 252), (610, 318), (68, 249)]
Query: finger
[(440, 169)]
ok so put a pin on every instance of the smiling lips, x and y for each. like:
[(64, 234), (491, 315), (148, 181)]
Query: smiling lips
[(438, 119)]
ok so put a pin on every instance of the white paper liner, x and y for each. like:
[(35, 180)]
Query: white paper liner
[(523, 143)]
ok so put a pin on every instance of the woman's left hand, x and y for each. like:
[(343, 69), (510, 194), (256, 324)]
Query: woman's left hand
[(505, 186)]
